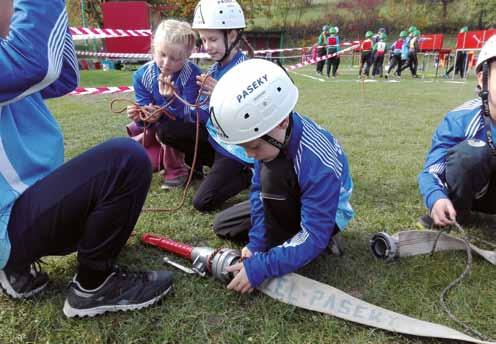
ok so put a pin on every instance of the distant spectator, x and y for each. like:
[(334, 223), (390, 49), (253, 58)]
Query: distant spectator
[(322, 43), (366, 54), (460, 64), (379, 51), (332, 48)]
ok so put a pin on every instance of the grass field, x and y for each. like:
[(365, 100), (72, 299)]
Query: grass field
[(385, 129)]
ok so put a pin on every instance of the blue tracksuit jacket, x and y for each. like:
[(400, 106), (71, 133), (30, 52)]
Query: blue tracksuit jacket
[(37, 61), (325, 185), (464, 122)]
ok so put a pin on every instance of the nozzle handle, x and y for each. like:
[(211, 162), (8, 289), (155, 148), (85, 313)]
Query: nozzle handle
[(168, 245)]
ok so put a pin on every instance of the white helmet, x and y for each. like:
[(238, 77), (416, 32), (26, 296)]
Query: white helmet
[(221, 15), (250, 100), (488, 52)]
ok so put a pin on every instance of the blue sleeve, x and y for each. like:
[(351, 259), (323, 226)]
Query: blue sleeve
[(337, 43), (69, 76), (257, 238), (432, 179), (32, 55), (142, 95), (319, 201)]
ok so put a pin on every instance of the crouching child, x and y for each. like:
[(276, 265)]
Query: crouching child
[(459, 174), (301, 185)]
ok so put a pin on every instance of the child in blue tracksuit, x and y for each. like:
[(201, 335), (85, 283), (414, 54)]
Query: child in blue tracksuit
[(459, 174), (88, 205), (172, 44), (219, 25), (301, 186)]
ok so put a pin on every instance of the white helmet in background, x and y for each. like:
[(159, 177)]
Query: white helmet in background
[(218, 14), (250, 100), (488, 52)]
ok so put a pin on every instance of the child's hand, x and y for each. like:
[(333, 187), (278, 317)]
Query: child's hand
[(443, 213), (133, 113), (246, 253), (207, 83), (240, 282), (165, 85), (149, 110)]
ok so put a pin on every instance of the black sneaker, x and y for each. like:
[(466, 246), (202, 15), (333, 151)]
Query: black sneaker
[(121, 291), (23, 284)]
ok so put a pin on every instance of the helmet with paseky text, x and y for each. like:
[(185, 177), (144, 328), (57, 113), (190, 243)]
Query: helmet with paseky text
[(250, 100)]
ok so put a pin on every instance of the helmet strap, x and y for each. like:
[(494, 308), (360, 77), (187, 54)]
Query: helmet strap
[(278, 144), (229, 48), (484, 94), (214, 120)]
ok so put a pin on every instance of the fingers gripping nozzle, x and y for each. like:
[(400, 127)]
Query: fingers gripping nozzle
[(215, 261)]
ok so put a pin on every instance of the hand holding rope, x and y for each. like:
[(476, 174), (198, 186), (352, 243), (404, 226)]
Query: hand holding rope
[(468, 268), (198, 103)]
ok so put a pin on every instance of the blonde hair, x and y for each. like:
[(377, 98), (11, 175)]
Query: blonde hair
[(177, 32)]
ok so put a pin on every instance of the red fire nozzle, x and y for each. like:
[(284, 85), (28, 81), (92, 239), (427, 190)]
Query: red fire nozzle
[(166, 244)]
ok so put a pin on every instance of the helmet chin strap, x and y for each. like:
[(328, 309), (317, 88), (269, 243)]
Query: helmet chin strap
[(486, 112), (276, 143), (484, 93), (228, 48)]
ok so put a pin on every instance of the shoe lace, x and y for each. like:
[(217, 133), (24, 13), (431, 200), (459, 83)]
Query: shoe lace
[(123, 272)]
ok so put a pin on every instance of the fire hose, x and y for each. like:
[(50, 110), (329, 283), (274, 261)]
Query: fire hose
[(412, 243), (306, 293)]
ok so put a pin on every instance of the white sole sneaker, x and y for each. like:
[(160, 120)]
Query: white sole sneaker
[(71, 312), (7, 289)]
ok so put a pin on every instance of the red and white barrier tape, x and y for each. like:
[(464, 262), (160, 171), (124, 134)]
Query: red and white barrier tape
[(133, 55), (81, 91), (193, 56), (325, 57), (269, 51), (81, 33)]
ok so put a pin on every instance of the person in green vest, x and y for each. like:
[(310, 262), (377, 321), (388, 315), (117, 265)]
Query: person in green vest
[(460, 65), (413, 47), (321, 47)]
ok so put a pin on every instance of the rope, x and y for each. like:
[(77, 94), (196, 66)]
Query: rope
[(468, 268), (145, 115)]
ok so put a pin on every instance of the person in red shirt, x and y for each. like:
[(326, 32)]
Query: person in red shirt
[(332, 48), (366, 57), (396, 55)]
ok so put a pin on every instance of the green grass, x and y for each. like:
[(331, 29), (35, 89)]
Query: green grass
[(385, 129)]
